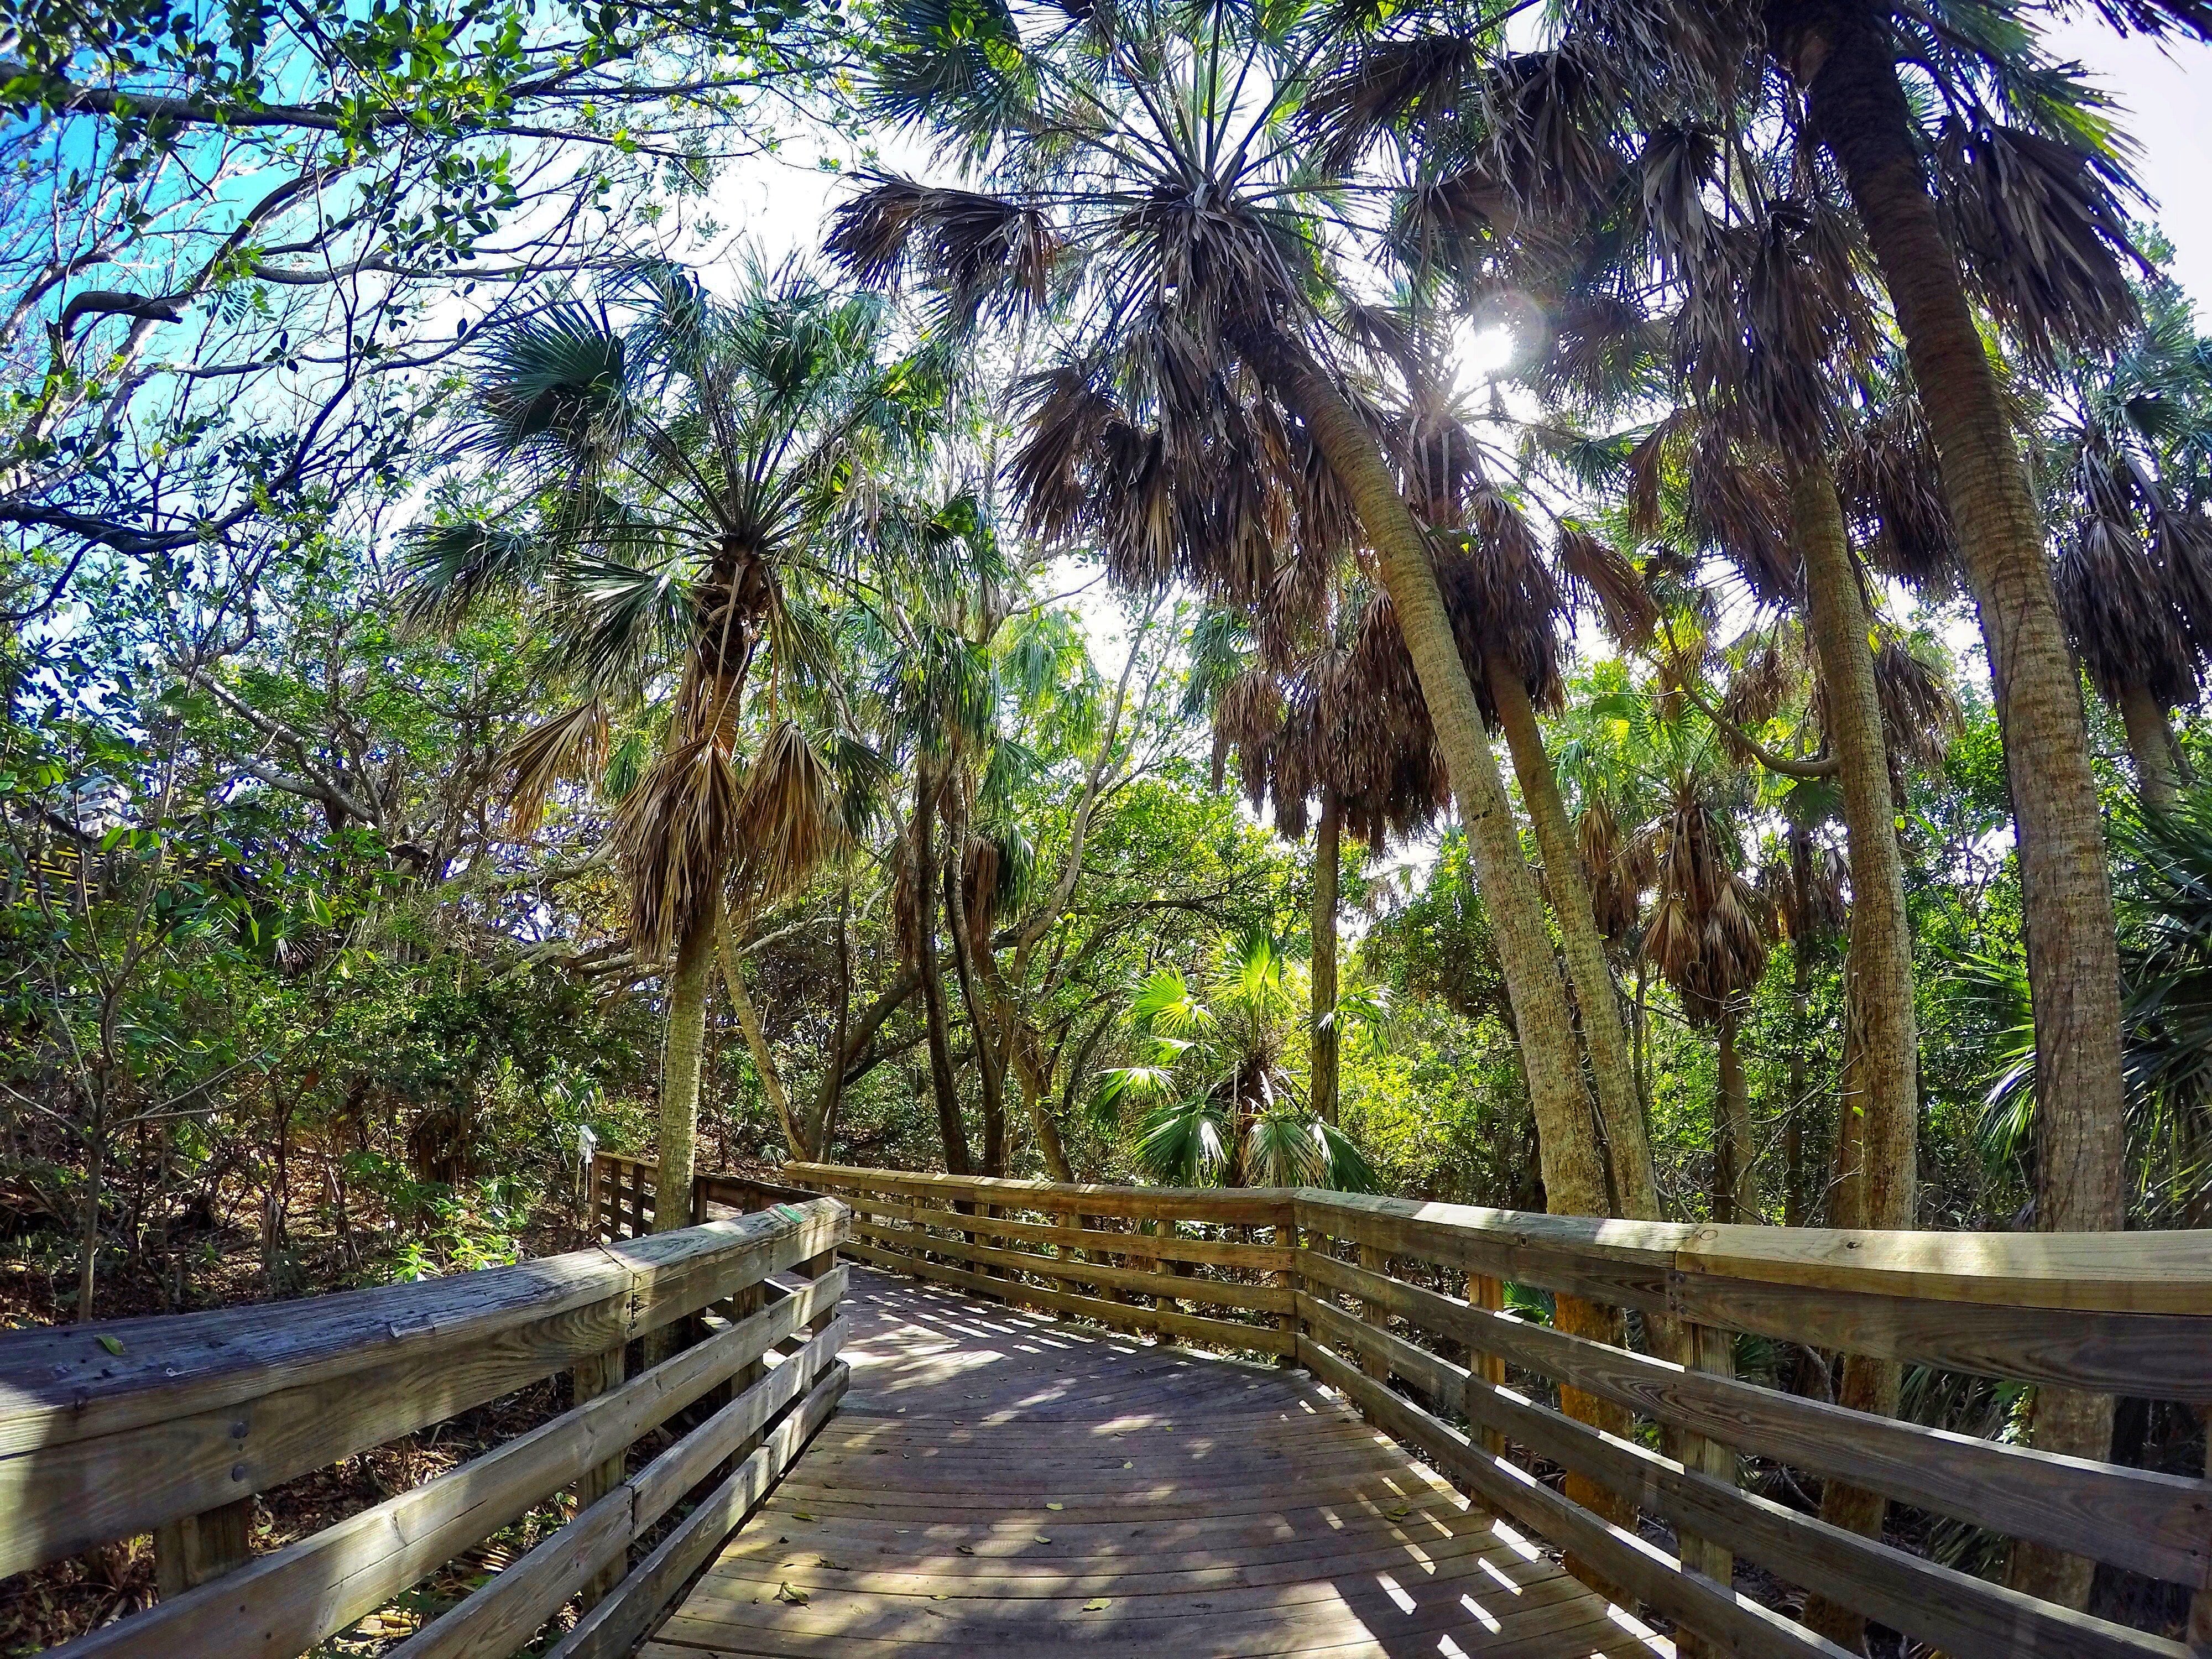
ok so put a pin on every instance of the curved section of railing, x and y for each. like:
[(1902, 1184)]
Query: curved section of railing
[(1400, 1306), (171, 1424)]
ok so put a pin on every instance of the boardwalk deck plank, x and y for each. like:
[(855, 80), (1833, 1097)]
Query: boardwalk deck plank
[(1000, 1483)]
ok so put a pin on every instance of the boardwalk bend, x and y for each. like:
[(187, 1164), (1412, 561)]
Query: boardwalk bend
[(866, 1412)]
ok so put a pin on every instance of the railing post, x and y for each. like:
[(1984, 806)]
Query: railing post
[(592, 1198), (194, 1548), (637, 1199), (1487, 1292), (589, 1379), (1285, 1236), (1712, 1350), (1375, 1259), (1163, 1300)]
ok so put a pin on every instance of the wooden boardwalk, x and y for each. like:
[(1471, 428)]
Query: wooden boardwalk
[(1000, 1483)]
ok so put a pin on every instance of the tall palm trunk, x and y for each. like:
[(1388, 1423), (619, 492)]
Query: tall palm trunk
[(1566, 1139), (2150, 741), (771, 1079), (1328, 836), (990, 1060), (1842, 53), (1613, 1062), (1880, 1092), (1573, 1171), (944, 1086), (1736, 1169), (680, 1068)]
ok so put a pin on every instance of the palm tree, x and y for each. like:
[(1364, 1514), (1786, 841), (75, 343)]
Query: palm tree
[(1144, 185), (671, 492), (2022, 220), (1216, 1099), (2126, 438), (1342, 725)]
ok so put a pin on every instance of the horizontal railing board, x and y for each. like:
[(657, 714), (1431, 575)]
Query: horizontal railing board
[(282, 1604), (2143, 1272), (2157, 1524), (1253, 1206), (1740, 1624), (290, 1403), (1208, 1252), (504, 1614), (2149, 1356), (1213, 1292), (1225, 1333), (613, 1628), (1965, 1616)]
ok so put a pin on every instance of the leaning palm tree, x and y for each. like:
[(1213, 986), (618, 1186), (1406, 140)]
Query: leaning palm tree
[(1982, 175), (1142, 183), (1213, 1097), (673, 487)]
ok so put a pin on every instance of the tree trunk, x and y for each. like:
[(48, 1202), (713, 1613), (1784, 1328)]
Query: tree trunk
[(1573, 1170), (1613, 1064), (680, 1070), (943, 1084), (1735, 1167), (1327, 842), (795, 1132), (88, 1255), (990, 1056), (2150, 739), (1841, 52), (831, 1091), (1882, 1084), (1566, 1135), (1801, 1005)]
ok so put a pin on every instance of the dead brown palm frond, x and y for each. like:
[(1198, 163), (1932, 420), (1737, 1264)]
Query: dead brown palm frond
[(1618, 868), (1386, 85), (1549, 129), (1805, 890), (2044, 242), (1920, 717), (1602, 353), (1248, 721), (979, 889), (1655, 456), (571, 745), (1069, 421), (976, 247), (1740, 503), (1761, 680), (676, 834), (1892, 486), (1599, 573), (786, 823)]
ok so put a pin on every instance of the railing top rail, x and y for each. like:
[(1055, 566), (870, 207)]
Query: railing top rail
[(1256, 1205), (2162, 1272), (69, 1382)]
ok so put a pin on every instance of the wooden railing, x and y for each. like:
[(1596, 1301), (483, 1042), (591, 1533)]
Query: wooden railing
[(1400, 1306), (111, 1430)]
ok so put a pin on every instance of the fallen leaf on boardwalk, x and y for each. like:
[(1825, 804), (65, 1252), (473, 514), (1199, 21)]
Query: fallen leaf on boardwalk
[(1041, 1539), (110, 1344), (792, 1593), (1400, 1513), (1055, 1506), (1097, 1604), (965, 1549), (1128, 1465), (800, 1515)]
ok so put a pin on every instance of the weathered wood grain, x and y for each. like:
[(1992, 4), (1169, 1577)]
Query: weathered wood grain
[(2155, 1523), (285, 1602)]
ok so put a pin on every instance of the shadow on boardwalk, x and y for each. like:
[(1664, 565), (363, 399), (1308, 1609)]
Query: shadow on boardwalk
[(1000, 1483)]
